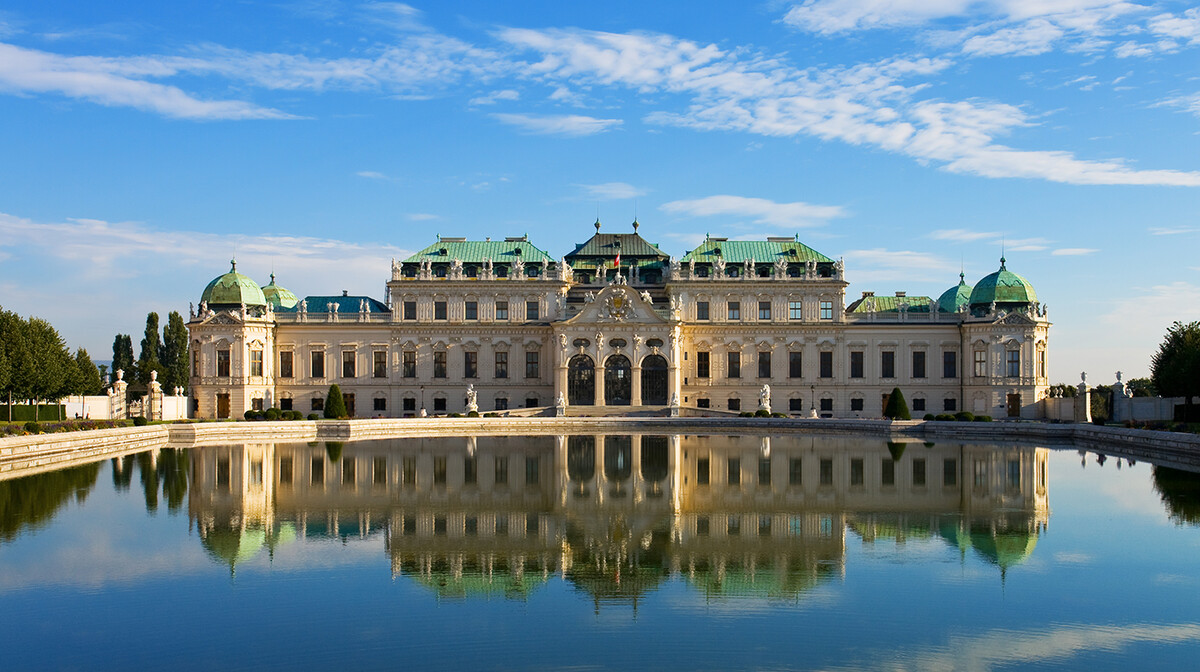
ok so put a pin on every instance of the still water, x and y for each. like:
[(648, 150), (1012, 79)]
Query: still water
[(609, 552)]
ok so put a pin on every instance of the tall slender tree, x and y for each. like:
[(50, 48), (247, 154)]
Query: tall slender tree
[(53, 366), (89, 382), (174, 355), (123, 356), (1175, 368), (151, 345)]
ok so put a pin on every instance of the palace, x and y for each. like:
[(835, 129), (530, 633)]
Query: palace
[(732, 326)]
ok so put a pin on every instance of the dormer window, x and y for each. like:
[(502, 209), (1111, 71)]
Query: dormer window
[(443, 252)]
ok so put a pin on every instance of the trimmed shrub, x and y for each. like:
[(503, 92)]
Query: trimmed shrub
[(983, 418), (272, 414), (140, 421), (944, 417), (313, 416), (250, 414), (897, 407), (779, 415), (456, 415), (762, 413), (473, 414), (335, 405), (33, 427), (745, 414), (491, 415), (964, 416), (930, 416)]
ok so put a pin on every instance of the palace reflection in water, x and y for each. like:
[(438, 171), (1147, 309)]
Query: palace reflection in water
[(617, 515)]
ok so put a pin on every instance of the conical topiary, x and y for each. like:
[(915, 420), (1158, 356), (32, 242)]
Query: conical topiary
[(335, 405), (897, 408)]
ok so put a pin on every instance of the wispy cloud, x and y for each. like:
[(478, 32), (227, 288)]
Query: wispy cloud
[(567, 125), (883, 265), (422, 217), (1172, 231), (963, 235), (373, 175), (1074, 251), (495, 97), (759, 210), (612, 191)]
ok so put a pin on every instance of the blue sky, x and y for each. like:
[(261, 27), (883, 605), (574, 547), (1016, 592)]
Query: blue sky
[(145, 144)]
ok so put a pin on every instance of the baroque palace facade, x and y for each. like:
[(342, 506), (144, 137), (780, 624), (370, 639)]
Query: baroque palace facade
[(500, 324)]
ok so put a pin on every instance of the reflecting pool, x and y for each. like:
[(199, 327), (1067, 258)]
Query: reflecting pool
[(605, 551)]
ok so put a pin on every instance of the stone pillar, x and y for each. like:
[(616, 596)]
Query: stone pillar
[(154, 399), (601, 479), (635, 398), (598, 376), (1083, 401), (117, 397)]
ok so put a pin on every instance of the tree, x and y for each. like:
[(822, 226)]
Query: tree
[(151, 345), (897, 408), (174, 355), (123, 356), (1175, 368), (1141, 387), (335, 405), (89, 382), (53, 368)]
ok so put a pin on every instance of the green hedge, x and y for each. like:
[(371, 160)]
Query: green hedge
[(24, 412)]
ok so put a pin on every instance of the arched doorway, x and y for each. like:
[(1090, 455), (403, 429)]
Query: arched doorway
[(654, 381), (618, 381), (581, 381)]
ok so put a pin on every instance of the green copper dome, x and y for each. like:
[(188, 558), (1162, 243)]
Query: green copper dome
[(277, 296), (955, 297), (234, 289), (1003, 287)]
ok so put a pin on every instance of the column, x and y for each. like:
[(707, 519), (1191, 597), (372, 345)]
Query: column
[(599, 378), (635, 398)]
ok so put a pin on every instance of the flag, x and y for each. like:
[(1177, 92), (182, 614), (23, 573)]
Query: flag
[(617, 263)]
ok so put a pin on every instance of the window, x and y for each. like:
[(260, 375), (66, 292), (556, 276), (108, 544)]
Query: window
[(532, 370), (439, 310), (410, 310), (502, 365), (827, 310), (502, 310), (1041, 363), (826, 364), (949, 364), (887, 473), (918, 472), (794, 471), (1012, 363), (826, 471), (256, 362), (764, 310), (380, 404), (795, 365), (764, 365), (472, 310), (348, 361), (257, 403), (408, 366), (734, 361), (501, 471), (439, 404), (856, 364), (795, 404), (379, 364), (318, 404), (470, 364), (856, 471), (980, 362), (318, 364), (702, 311), (409, 404), (285, 403), (735, 404), (702, 471), (856, 404), (918, 404), (533, 466), (827, 405), (222, 363), (439, 364), (531, 402), (887, 364), (735, 471), (703, 403), (286, 364), (918, 364), (702, 365), (950, 405), (950, 472), (764, 471), (501, 403), (795, 310), (531, 311), (735, 310)]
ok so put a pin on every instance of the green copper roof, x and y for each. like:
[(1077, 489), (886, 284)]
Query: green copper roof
[(475, 251), (761, 251), (606, 246), (346, 305), (278, 296), (233, 288), (890, 304), (955, 297), (1003, 286)]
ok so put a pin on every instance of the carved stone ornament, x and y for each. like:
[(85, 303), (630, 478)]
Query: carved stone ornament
[(618, 306)]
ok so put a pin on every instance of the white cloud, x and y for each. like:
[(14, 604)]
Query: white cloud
[(1172, 231), (1026, 39), (372, 175), (1073, 251), (759, 210), (612, 191), (876, 265), (422, 217), (495, 96), (113, 84), (1185, 27), (963, 235), (568, 125), (1023, 244), (395, 15)]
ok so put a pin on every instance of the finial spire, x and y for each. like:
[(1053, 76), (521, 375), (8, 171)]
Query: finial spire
[(272, 278), (635, 224), (597, 224), (232, 265)]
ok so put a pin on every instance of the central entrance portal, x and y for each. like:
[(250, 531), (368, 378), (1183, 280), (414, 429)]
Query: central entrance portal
[(581, 381), (618, 381), (654, 381)]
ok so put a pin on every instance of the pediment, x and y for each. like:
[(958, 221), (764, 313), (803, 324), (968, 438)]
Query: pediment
[(225, 317), (1018, 319), (617, 304)]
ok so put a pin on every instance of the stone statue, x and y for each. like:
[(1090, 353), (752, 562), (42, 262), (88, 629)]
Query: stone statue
[(487, 268), (561, 401), (673, 304), (840, 268), (397, 268), (121, 374), (748, 268), (692, 267), (810, 269), (646, 296), (456, 268), (204, 308), (637, 343), (1083, 378), (992, 308), (472, 404), (333, 307), (362, 305), (675, 399), (191, 310), (589, 297), (304, 305), (545, 268), (673, 269), (764, 398), (719, 267), (518, 268), (781, 268), (562, 342)]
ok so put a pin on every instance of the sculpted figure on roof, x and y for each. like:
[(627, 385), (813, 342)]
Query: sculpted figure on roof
[(780, 268)]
